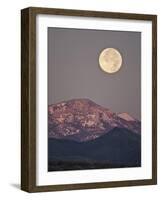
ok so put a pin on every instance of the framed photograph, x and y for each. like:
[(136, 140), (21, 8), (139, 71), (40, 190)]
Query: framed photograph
[(89, 99)]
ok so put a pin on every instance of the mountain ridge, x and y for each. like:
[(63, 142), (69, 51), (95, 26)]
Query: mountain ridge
[(84, 120)]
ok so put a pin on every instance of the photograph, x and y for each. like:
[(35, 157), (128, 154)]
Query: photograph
[(94, 99), (88, 99)]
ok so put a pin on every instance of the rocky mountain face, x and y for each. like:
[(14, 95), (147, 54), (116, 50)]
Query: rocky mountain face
[(83, 120)]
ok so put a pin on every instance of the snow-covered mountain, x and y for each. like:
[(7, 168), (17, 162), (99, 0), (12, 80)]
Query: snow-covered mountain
[(83, 120)]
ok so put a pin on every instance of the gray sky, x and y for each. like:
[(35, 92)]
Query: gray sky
[(74, 72)]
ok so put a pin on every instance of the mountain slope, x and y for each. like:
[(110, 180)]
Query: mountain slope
[(118, 148), (83, 120)]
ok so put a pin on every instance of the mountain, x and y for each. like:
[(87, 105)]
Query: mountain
[(118, 148), (126, 117), (83, 120)]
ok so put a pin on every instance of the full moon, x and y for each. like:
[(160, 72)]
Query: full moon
[(110, 60)]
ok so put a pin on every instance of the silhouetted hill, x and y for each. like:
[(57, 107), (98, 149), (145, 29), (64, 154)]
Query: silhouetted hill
[(117, 148)]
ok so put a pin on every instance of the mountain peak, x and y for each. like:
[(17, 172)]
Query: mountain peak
[(77, 102), (126, 116), (84, 120)]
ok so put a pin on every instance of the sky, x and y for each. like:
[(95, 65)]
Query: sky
[(74, 71)]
